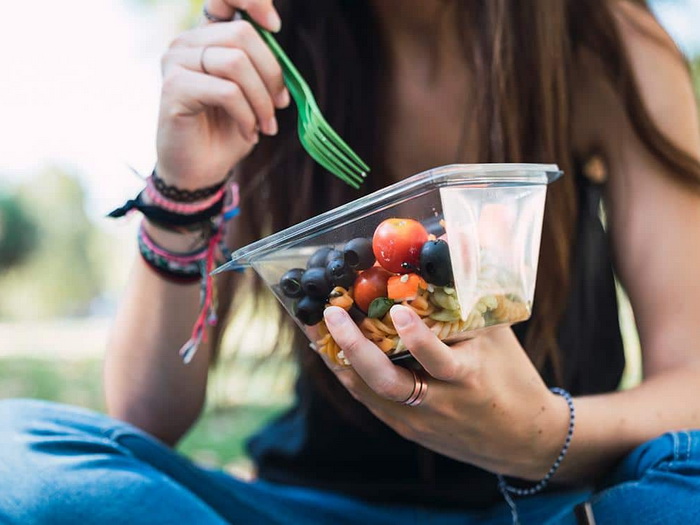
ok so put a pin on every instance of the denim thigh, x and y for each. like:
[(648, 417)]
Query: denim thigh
[(656, 483)]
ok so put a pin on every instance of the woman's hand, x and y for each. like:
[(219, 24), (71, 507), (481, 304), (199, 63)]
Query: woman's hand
[(221, 85), (485, 404)]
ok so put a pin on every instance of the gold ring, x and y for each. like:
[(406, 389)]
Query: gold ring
[(420, 388)]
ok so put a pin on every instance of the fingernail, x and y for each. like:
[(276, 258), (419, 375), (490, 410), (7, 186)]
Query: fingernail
[(334, 316), (271, 126), (274, 23), (282, 100), (400, 316)]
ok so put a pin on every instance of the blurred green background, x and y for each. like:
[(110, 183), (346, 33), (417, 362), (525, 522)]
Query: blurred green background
[(84, 114)]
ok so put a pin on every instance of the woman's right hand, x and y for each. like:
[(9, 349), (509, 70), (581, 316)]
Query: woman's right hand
[(210, 116)]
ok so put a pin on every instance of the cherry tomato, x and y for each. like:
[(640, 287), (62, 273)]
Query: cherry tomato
[(369, 285), (397, 242)]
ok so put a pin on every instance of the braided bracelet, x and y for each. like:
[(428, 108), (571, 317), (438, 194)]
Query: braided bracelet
[(507, 490), (180, 268)]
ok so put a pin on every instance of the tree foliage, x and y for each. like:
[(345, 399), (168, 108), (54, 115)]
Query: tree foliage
[(18, 232), (60, 276)]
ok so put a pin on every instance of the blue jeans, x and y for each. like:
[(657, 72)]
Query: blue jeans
[(61, 465)]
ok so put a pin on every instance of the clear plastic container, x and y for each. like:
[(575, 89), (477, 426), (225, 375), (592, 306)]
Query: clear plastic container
[(489, 216)]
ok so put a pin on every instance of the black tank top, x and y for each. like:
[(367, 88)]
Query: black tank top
[(314, 444)]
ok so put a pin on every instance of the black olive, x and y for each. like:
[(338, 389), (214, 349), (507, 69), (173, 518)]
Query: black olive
[(319, 258), (358, 254), (339, 273), (315, 283), (290, 283), (356, 314), (309, 310), (333, 254), (435, 263)]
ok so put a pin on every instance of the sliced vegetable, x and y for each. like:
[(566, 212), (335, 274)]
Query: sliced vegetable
[(446, 316), (405, 287)]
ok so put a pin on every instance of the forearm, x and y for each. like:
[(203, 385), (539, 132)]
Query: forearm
[(610, 425), (146, 382)]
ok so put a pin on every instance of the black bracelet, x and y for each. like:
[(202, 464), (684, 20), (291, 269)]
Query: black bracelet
[(179, 195), (507, 490), (167, 218)]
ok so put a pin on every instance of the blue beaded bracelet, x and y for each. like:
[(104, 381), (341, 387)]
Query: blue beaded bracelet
[(507, 490)]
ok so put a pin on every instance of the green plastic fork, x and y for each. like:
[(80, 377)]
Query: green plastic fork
[(319, 139)]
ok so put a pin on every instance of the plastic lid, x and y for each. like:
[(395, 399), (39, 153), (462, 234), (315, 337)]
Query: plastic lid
[(444, 176)]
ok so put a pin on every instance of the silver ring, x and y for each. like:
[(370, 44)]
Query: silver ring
[(420, 389), (213, 18), (201, 61)]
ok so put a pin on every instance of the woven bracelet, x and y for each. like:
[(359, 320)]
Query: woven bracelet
[(179, 268), (507, 490)]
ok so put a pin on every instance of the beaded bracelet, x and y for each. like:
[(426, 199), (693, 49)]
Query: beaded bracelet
[(507, 490)]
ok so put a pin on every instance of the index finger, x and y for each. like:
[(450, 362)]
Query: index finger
[(434, 356), (262, 11)]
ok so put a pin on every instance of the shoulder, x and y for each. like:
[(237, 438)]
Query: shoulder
[(661, 78)]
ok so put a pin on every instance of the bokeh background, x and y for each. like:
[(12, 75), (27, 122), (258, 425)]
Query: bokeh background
[(78, 106)]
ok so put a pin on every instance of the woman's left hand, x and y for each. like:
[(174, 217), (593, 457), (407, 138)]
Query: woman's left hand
[(485, 404)]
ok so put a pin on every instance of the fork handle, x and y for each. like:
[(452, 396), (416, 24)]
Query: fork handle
[(287, 66)]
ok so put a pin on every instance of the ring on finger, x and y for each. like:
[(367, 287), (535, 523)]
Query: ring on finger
[(212, 17), (201, 60), (420, 389)]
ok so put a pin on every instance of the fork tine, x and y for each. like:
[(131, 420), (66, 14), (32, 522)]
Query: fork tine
[(341, 159), (334, 150), (313, 117), (333, 135), (308, 132), (317, 136), (327, 159)]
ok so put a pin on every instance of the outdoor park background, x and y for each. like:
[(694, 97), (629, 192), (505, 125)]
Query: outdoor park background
[(79, 100)]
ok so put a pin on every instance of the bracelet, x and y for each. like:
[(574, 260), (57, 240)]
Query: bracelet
[(179, 268), (167, 218), (167, 204), (179, 195), (211, 215), (507, 490)]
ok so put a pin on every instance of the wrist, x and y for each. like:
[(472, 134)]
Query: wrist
[(547, 436), (555, 427), (191, 183)]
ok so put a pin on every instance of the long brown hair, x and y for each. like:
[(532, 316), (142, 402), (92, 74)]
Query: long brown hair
[(523, 55)]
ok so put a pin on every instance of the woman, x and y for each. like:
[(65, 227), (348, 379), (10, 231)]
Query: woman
[(413, 85)]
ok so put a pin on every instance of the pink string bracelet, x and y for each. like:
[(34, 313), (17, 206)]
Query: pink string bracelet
[(181, 207)]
